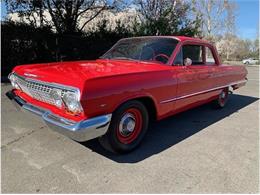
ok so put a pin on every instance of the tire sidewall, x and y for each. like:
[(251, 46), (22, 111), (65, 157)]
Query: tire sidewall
[(112, 132), (222, 105)]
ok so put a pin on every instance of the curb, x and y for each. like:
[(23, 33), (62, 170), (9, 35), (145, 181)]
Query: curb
[(252, 65)]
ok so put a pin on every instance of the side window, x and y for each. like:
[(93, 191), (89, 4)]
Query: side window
[(179, 58), (194, 52), (209, 57)]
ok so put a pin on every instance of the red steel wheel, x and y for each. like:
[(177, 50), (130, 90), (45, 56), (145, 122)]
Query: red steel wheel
[(222, 99), (127, 128)]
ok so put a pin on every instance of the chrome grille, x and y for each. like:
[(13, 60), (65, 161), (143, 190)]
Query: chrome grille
[(37, 90)]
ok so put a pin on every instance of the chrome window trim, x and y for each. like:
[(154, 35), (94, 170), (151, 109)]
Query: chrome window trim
[(201, 92)]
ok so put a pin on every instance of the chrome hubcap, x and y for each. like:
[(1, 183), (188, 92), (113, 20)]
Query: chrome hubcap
[(127, 124)]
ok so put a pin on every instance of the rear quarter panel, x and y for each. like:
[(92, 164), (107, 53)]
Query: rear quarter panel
[(227, 74)]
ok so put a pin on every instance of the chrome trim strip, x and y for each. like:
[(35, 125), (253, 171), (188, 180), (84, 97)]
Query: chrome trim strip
[(80, 131), (201, 92), (152, 37), (50, 84)]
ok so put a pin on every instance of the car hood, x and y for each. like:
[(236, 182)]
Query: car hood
[(77, 72)]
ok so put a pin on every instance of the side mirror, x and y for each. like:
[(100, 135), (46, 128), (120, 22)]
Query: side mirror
[(187, 62)]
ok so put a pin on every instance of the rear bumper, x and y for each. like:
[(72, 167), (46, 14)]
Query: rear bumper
[(80, 131)]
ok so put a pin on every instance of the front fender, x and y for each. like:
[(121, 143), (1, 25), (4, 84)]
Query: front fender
[(104, 95)]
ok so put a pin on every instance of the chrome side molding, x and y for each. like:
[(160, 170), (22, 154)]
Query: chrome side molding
[(204, 91)]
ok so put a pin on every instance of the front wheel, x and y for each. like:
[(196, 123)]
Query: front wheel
[(127, 128)]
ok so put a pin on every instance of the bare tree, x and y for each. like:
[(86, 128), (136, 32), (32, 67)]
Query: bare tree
[(65, 14), (231, 47), (217, 16), (31, 11)]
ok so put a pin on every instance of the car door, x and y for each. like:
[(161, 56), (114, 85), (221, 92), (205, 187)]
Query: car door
[(193, 80)]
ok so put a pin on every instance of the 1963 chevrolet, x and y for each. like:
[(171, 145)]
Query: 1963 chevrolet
[(114, 98)]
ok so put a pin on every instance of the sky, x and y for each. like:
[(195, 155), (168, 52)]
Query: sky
[(247, 18)]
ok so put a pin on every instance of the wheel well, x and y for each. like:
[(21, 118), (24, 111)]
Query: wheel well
[(150, 106)]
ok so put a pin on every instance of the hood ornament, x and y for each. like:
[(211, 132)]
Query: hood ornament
[(30, 75)]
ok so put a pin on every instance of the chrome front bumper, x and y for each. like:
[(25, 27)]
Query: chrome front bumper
[(80, 131)]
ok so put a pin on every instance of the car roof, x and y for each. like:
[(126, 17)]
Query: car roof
[(179, 38), (185, 38)]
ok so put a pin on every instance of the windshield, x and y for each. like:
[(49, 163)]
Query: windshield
[(144, 49)]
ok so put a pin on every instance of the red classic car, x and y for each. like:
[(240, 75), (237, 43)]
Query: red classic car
[(114, 98)]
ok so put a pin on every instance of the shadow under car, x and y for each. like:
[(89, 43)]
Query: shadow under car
[(166, 133)]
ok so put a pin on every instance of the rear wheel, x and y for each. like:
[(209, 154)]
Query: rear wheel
[(222, 99), (127, 128)]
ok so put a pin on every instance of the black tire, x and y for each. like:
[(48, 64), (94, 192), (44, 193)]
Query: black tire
[(222, 99), (112, 140)]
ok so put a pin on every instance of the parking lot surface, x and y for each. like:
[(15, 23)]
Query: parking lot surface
[(199, 151)]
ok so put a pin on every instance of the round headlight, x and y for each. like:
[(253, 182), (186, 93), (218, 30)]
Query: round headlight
[(71, 102), (13, 81), (56, 95)]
